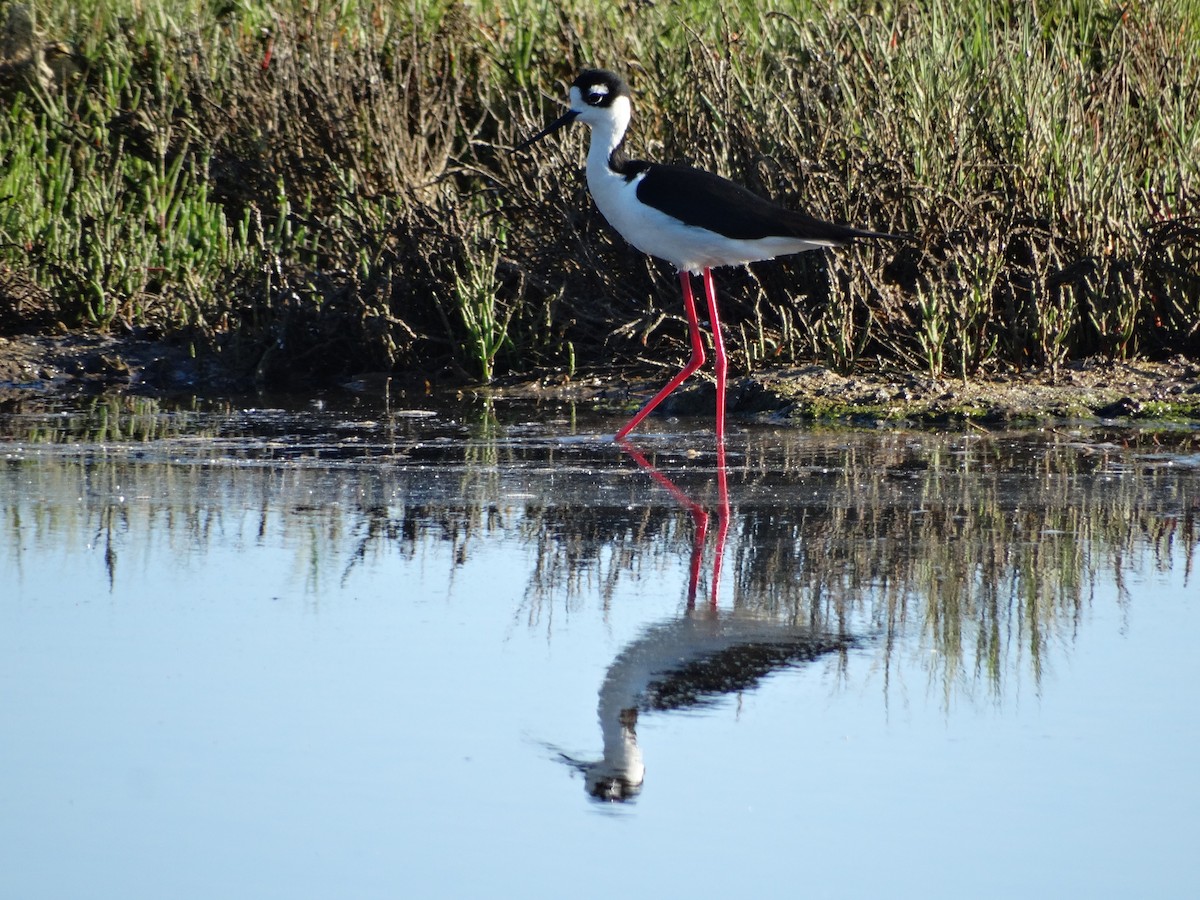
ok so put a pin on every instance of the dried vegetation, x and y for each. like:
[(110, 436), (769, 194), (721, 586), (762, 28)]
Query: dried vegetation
[(318, 189)]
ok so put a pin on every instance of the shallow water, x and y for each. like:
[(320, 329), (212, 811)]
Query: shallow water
[(350, 651)]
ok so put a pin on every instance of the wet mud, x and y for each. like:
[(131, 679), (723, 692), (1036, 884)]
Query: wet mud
[(1094, 389)]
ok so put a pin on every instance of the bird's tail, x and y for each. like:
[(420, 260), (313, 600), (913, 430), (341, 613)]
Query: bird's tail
[(811, 228)]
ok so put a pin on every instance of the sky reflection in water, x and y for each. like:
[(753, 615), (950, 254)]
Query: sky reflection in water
[(361, 653)]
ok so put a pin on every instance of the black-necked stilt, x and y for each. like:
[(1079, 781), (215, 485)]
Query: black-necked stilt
[(691, 218)]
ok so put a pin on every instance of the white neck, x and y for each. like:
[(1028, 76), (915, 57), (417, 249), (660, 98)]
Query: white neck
[(608, 132)]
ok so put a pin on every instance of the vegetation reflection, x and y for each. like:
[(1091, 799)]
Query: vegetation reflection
[(988, 546)]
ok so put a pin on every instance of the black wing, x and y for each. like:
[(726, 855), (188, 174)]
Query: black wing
[(714, 203)]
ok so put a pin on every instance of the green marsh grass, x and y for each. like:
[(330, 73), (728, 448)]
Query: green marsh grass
[(299, 186)]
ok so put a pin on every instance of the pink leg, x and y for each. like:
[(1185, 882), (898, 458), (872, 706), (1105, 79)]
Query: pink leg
[(697, 360), (721, 362)]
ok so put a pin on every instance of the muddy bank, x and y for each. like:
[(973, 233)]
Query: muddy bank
[(89, 363), (1092, 389)]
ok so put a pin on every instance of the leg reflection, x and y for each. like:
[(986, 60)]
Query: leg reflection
[(700, 518)]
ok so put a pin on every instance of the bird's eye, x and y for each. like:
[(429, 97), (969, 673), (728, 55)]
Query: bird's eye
[(596, 94)]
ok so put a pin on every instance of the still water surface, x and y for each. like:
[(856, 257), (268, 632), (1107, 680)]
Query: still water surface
[(363, 652)]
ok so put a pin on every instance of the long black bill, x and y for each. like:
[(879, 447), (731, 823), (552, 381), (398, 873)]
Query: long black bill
[(565, 119)]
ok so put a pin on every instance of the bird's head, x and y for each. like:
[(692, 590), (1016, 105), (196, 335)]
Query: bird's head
[(598, 98)]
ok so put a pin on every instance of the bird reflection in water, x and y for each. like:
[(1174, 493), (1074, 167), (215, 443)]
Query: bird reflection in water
[(691, 660)]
